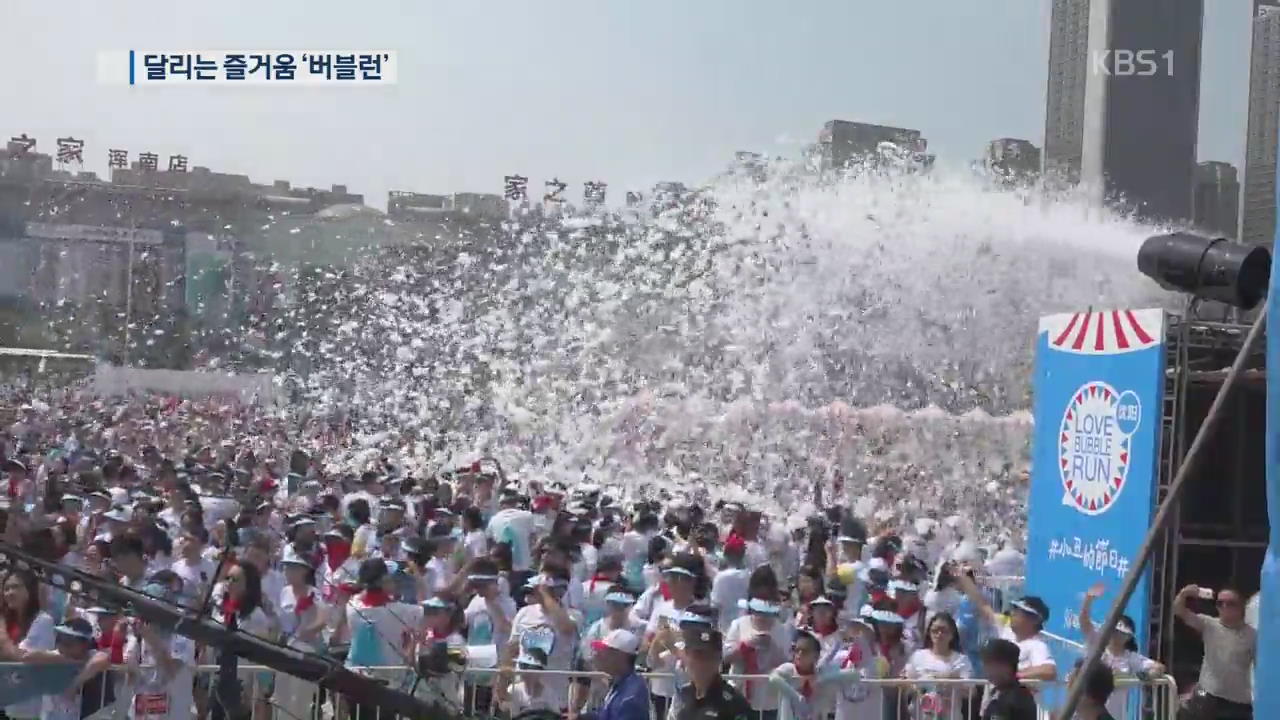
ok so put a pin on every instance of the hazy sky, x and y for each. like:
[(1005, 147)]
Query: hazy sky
[(626, 91)]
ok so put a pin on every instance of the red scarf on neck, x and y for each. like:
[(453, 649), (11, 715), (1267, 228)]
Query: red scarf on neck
[(853, 658), (336, 553), (114, 643), (665, 589), (305, 603), (230, 608), (14, 629), (906, 610), (598, 578), (375, 597)]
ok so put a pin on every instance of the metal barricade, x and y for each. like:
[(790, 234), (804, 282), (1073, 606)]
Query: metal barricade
[(268, 695)]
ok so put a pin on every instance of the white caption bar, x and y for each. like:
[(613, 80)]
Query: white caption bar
[(247, 67)]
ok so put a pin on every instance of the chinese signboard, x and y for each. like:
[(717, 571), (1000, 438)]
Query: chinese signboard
[(1099, 380), (94, 233)]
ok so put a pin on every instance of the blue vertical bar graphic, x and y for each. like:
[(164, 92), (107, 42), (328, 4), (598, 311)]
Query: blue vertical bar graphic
[(131, 79), (1267, 669)]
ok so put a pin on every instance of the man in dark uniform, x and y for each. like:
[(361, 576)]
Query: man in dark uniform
[(708, 696), (1007, 699)]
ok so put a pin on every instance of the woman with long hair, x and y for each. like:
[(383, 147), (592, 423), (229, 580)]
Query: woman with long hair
[(940, 658), (237, 605), (27, 625)]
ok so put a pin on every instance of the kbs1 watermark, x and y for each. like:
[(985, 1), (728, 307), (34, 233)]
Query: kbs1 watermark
[(1131, 63)]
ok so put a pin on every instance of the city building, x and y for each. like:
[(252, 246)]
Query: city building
[(1068, 68), (1217, 198), (479, 206), (403, 205), (1123, 101), (1012, 158), (176, 252), (1258, 208), (841, 143)]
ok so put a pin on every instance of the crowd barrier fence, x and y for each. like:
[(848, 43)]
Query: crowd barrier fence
[(275, 696)]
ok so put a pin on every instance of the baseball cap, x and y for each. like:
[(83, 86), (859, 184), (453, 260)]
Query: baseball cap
[(291, 557), (1032, 605), (624, 641), (698, 638), (76, 627), (617, 597), (759, 607), (436, 602)]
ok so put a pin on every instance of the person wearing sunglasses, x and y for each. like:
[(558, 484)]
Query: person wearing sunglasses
[(1230, 646)]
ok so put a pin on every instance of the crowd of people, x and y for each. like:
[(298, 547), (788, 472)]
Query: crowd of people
[(487, 592)]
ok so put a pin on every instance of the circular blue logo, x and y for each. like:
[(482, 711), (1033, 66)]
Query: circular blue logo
[(1128, 412)]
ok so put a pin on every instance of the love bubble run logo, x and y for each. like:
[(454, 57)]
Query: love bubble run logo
[(1094, 445)]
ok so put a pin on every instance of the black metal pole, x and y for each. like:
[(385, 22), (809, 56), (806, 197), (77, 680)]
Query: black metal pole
[(1207, 429), (313, 667)]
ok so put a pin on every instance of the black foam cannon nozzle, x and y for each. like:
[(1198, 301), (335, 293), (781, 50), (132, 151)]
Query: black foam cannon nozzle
[(1208, 268)]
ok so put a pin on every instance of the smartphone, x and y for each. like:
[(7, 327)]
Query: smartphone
[(1206, 593)]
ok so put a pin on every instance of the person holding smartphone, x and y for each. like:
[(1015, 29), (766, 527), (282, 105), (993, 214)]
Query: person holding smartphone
[(1230, 646)]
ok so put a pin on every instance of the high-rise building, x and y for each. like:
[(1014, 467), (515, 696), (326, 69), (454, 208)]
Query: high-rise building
[(842, 142), (1068, 67), (1258, 209), (1012, 158), (1123, 100), (1217, 198)]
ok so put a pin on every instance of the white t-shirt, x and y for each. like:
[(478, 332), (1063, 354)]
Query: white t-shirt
[(741, 630), (1031, 652), (547, 698), (925, 664), (1127, 664), (515, 527), (728, 588), (592, 603), (664, 610), (256, 623), (291, 620), (441, 574), (532, 628), (39, 637), (859, 701), (157, 697), (475, 544), (635, 548), (480, 626), (195, 576), (382, 635)]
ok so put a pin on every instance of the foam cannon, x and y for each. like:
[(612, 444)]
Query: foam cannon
[(1238, 275), (319, 669)]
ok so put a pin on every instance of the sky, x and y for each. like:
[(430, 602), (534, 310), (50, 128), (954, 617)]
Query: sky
[(624, 91)]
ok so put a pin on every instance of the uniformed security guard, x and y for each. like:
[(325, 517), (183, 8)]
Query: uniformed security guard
[(708, 696)]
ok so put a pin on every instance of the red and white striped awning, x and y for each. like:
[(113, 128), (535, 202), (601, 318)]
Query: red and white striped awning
[(1105, 332)]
